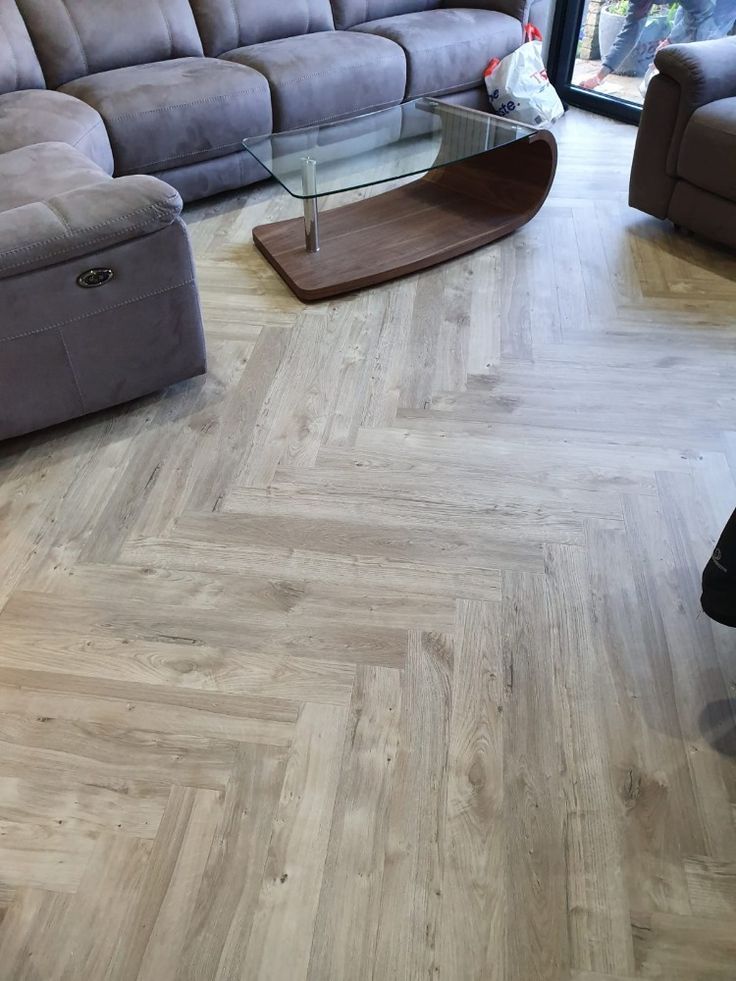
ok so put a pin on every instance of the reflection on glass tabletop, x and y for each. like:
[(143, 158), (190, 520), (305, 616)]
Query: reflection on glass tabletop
[(380, 146)]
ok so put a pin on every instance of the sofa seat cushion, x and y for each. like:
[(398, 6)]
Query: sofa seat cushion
[(325, 76), (448, 50), (44, 170), (176, 112), (40, 116), (708, 149)]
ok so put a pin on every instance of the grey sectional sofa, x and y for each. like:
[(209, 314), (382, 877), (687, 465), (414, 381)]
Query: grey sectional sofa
[(114, 113)]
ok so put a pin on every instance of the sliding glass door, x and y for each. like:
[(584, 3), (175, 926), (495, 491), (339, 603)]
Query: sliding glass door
[(602, 51)]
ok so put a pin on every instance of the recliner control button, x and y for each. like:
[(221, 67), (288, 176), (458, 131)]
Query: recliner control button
[(94, 277)]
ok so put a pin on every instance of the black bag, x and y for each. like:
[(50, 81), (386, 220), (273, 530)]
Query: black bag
[(719, 578)]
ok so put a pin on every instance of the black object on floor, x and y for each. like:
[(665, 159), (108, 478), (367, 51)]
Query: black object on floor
[(719, 578)]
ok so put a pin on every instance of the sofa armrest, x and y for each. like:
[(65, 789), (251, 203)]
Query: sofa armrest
[(691, 75), (652, 183), (84, 220), (704, 70)]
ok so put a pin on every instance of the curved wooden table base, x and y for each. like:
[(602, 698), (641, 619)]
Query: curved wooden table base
[(444, 214)]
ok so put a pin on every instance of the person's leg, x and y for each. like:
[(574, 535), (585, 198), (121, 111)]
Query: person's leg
[(724, 17), (680, 27), (696, 22), (719, 578)]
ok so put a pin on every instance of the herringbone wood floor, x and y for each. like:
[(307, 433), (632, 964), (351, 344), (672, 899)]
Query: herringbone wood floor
[(378, 654)]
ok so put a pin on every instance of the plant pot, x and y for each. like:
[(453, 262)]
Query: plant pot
[(656, 29)]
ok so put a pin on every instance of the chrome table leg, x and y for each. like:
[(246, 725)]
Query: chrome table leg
[(311, 211)]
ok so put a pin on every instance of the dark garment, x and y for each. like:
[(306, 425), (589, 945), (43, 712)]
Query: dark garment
[(719, 578)]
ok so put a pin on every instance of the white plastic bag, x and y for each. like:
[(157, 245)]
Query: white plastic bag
[(518, 86)]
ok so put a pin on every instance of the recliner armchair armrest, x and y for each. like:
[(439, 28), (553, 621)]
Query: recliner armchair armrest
[(704, 70), (88, 219)]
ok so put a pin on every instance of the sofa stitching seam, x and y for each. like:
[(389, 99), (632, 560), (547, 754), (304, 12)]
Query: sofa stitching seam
[(364, 64), (85, 59), (460, 87), (85, 134), (193, 153), (236, 14), (59, 217), (159, 212), (432, 49), (374, 105), (181, 105), (96, 313), (167, 25), (71, 368)]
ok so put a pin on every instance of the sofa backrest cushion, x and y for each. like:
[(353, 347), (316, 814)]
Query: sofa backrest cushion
[(520, 9), (74, 38), (228, 24), (348, 13), (19, 67)]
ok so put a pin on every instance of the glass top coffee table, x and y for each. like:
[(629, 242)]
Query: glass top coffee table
[(479, 177)]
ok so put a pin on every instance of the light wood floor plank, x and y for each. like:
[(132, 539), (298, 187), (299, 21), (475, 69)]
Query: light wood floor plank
[(684, 948), (286, 908), (346, 929), (473, 839), (659, 815), (599, 928), (91, 936), (412, 875), (225, 904), (27, 926), (176, 867), (535, 819), (712, 887)]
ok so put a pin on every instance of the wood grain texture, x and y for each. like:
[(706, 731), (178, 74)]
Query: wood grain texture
[(473, 838), (346, 930), (376, 655)]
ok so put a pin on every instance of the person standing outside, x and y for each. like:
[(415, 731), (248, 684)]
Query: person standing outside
[(722, 23), (696, 24)]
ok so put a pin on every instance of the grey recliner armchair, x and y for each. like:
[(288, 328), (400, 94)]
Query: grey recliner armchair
[(685, 159), (98, 303)]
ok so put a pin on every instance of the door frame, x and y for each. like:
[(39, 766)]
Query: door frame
[(561, 60)]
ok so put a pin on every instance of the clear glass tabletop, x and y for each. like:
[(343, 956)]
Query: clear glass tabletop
[(380, 146)]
